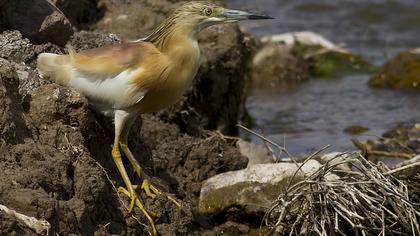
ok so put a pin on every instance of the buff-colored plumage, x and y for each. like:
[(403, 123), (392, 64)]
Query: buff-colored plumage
[(128, 79), (119, 77)]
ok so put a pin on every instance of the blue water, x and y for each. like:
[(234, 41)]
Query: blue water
[(375, 28), (315, 113)]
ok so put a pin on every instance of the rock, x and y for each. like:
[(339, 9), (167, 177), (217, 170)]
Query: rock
[(134, 19), (37, 20), (333, 64), (12, 124), (276, 65), (294, 57), (335, 158), (186, 161), (81, 13), (303, 37), (21, 56), (17, 49), (401, 72), (355, 129), (399, 143), (217, 98), (50, 174), (83, 40), (256, 154), (229, 228), (250, 191)]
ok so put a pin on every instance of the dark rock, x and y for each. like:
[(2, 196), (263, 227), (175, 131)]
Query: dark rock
[(81, 13), (37, 20), (401, 72), (276, 65), (12, 125), (355, 129), (217, 98)]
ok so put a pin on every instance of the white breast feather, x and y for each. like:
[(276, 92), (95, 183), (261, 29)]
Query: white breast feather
[(111, 93)]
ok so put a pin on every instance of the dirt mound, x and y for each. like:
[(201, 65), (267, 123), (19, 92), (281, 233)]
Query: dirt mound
[(56, 161)]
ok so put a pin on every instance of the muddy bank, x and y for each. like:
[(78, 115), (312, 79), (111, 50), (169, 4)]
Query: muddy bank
[(53, 149), (55, 152)]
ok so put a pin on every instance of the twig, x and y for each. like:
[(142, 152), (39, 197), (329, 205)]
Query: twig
[(280, 148), (393, 171), (365, 201), (39, 226)]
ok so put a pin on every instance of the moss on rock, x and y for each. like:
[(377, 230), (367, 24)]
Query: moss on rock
[(401, 72), (326, 63)]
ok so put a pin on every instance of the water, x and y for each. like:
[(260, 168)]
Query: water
[(375, 28), (315, 113)]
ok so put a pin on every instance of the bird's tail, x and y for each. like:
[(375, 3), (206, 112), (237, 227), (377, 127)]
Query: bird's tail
[(54, 67)]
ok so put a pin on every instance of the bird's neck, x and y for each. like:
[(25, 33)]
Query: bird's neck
[(171, 35)]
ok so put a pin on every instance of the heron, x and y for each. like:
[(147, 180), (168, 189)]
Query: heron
[(127, 79)]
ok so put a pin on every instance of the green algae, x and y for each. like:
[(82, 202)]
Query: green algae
[(325, 63)]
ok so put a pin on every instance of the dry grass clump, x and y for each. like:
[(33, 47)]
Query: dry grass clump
[(368, 200)]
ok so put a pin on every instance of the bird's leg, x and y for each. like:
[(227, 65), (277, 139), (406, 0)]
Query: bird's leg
[(148, 188), (116, 155)]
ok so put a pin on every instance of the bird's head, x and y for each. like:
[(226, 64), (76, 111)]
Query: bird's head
[(192, 17), (203, 14)]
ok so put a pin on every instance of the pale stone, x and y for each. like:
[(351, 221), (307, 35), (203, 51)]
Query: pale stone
[(252, 189)]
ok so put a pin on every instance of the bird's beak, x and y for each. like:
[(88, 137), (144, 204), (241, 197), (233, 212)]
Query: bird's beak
[(235, 15)]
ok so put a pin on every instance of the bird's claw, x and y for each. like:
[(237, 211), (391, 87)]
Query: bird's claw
[(135, 201), (149, 188), (132, 196), (152, 191)]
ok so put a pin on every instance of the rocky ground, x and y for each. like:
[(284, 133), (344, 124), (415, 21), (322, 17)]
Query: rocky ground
[(55, 152)]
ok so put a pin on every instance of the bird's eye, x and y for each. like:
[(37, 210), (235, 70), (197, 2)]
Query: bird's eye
[(207, 11)]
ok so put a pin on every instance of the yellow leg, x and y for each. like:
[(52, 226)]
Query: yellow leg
[(120, 120), (116, 155), (148, 188)]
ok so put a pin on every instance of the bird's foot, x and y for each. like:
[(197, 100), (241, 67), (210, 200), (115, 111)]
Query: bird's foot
[(135, 201), (152, 192)]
